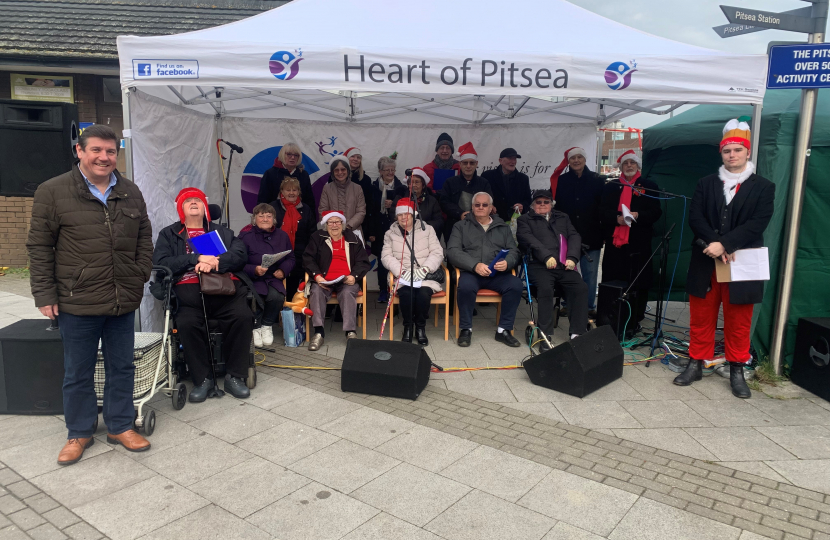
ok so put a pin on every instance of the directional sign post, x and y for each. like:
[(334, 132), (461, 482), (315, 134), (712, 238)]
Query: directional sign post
[(806, 67), (730, 30), (768, 19)]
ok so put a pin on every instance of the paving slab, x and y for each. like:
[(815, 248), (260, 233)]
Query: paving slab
[(664, 414), (169, 433), (344, 465), (427, 448), (669, 439), (596, 414), (546, 409), (40, 456), (208, 523), (527, 392), (732, 413), (287, 443), (738, 444), (810, 474), (651, 520), (238, 423), (196, 459), (386, 527), (494, 472), (367, 427), (805, 442), (91, 479), (758, 468), (563, 531), (19, 430), (313, 512), (315, 409), (250, 486), (275, 392), (480, 515), (411, 493), (140, 508), (578, 501), (794, 412)]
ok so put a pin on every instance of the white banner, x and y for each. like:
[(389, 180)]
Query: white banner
[(540, 146)]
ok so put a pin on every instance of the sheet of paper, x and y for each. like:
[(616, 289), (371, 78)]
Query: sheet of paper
[(272, 259), (750, 265), (627, 215), (405, 283), (332, 282)]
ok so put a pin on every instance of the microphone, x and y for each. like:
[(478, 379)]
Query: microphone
[(700, 242), (235, 148)]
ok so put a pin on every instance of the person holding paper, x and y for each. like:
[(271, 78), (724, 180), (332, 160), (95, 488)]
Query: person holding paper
[(344, 195), (474, 243), (628, 246), (336, 261), (456, 194), (264, 240), (397, 257), (287, 165), (381, 214), (175, 251), (553, 247), (578, 193), (729, 212), (298, 221), (511, 188), (443, 161)]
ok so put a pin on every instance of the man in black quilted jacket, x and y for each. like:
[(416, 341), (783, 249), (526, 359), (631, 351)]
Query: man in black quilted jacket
[(90, 253)]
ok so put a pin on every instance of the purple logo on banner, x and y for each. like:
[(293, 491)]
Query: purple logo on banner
[(285, 65), (618, 75)]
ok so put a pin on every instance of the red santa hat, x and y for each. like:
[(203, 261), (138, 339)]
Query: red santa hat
[(466, 151), (417, 171), (339, 158), (328, 214), (554, 178), (405, 206), (189, 193), (632, 155), (353, 151)]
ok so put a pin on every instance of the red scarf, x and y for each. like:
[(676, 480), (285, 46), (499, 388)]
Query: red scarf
[(621, 232), (291, 219)]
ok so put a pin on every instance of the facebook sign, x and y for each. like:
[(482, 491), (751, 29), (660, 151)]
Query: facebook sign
[(143, 70), (165, 69)]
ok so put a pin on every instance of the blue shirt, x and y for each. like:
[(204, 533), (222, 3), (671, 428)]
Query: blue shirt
[(94, 190)]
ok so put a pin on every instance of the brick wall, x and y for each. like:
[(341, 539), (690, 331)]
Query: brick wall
[(15, 216)]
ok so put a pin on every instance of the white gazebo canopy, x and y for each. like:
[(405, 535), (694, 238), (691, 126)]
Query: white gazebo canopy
[(434, 61)]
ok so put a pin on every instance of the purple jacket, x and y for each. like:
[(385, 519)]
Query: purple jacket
[(261, 243)]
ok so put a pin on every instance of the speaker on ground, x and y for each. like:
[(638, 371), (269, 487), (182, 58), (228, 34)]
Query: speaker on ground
[(579, 366), (811, 359), (611, 307), (385, 368), (31, 368)]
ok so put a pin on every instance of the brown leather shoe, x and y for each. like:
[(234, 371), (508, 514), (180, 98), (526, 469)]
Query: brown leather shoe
[(73, 450), (130, 440)]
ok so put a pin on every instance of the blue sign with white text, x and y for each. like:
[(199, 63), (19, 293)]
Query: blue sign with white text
[(799, 66)]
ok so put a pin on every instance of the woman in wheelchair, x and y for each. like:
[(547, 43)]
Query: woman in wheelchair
[(335, 261), (235, 321), (428, 258), (263, 238)]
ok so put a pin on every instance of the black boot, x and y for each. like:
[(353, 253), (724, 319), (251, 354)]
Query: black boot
[(736, 379), (694, 372), (407, 333), (421, 335)]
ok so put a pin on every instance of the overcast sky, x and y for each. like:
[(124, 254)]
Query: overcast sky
[(689, 21)]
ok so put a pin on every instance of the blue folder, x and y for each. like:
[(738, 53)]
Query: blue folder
[(208, 244), (439, 176), (501, 255)]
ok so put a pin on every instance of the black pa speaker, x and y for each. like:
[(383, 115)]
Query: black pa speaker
[(611, 307), (385, 368), (31, 368), (811, 359), (37, 142), (579, 366)]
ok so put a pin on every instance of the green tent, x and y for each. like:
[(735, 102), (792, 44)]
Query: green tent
[(681, 150)]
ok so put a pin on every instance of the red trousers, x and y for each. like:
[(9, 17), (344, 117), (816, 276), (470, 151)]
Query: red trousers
[(737, 321)]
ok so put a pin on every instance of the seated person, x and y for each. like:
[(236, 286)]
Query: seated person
[(298, 221), (264, 238), (380, 214), (538, 233), (173, 250), (474, 243), (344, 191), (334, 253), (428, 258), (429, 211)]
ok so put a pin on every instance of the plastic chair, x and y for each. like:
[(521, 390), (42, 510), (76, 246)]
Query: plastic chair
[(361, 301), (439, 298)]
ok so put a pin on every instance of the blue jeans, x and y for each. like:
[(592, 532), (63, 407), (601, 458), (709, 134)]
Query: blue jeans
[(80, 336), (590, 271)]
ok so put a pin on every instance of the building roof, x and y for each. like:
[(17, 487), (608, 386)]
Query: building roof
[(87, 29)]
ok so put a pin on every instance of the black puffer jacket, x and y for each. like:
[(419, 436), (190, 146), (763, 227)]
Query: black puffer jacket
[(580, 198), (269, 186), (87, 257), (540, 237), (171, 250)]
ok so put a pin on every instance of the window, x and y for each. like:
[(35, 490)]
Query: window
[(618, 135)]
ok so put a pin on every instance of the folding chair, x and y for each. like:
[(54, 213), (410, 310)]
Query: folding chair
[(361, 301), (439, 298)]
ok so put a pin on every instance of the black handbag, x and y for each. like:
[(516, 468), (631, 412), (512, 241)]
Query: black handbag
[(438, 276)]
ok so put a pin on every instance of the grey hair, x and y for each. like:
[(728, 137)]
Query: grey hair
[(483, 193), (290, 147), (385, 162)]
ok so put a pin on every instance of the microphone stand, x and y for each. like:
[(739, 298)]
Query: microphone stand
[(226, 193), (417, 212)]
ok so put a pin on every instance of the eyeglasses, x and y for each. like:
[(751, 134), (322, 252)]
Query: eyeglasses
[(542, 203), (482, 205), (291, 154)]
